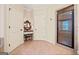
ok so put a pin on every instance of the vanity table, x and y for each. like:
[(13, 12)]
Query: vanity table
[(28, 35)]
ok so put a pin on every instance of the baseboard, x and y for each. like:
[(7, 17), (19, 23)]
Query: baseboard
[(48, 41), (1, 42), (78, 52), (51, 42)]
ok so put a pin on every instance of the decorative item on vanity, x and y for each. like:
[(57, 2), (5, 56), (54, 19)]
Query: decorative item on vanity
[(27, 26)]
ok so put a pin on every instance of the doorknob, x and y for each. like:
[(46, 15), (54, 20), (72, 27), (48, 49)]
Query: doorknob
[(20, 29), (9, 27), (9, 9)]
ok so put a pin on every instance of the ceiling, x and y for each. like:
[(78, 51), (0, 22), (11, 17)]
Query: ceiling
[(31, 6)]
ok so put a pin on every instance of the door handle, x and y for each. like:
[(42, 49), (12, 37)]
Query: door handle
[(20, 29), (9, 27)]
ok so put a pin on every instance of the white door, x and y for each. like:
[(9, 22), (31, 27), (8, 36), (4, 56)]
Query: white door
[(40, 24), (15, 26)]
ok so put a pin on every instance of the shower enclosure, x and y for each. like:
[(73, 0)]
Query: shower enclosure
[(65, 26)]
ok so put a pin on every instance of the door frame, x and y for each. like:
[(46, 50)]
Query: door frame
[(72, 27)]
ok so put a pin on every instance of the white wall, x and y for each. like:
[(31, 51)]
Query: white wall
[(40, 15), (1, 21), (45, 22), (28, 15)]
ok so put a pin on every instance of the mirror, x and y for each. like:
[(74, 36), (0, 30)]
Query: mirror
[(27, 26)]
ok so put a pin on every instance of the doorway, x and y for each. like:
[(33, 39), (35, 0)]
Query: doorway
[(65, 26)]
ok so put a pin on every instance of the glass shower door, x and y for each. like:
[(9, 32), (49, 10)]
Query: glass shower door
[(65, 28)]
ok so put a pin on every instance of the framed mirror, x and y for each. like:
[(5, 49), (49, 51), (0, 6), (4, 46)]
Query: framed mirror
[(27, 26)]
